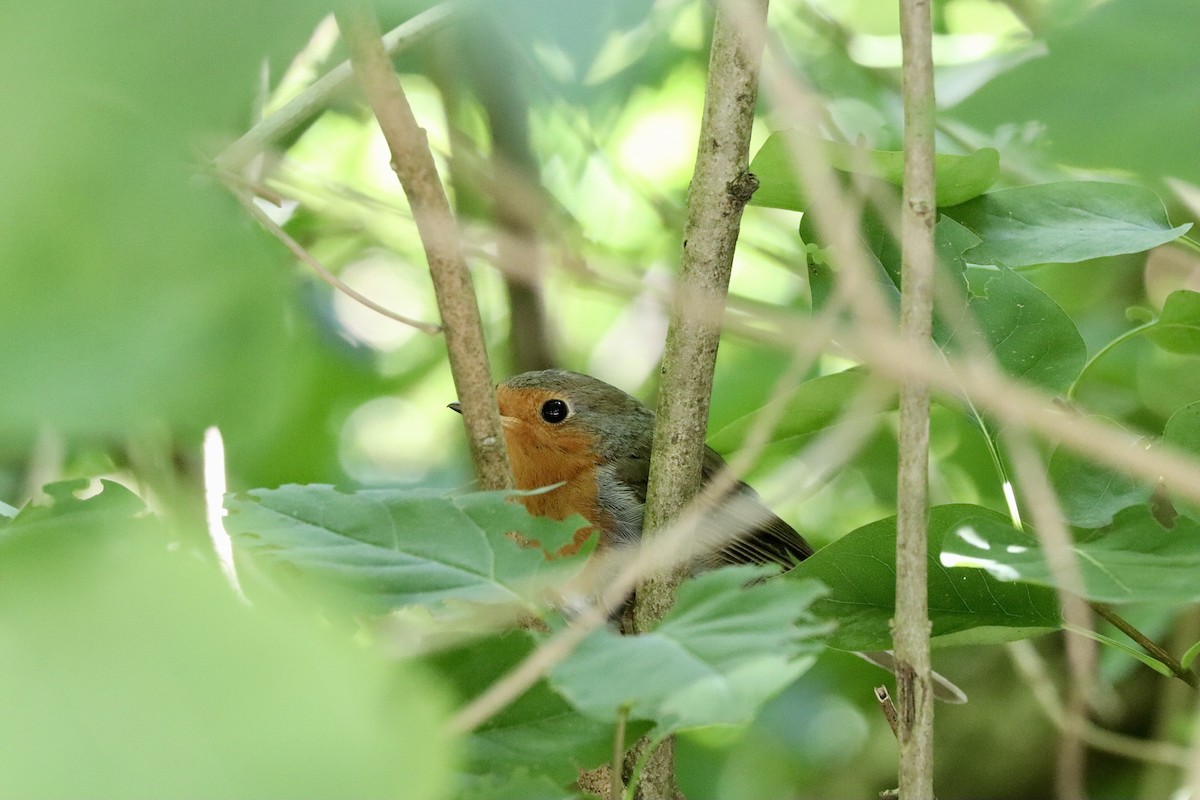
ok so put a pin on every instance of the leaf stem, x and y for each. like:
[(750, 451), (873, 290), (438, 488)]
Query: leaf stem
[(1129, 334), (1177, 669)]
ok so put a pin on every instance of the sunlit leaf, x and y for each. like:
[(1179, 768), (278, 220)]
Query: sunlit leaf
[(959, 178), (966, 606), (721, 652), (1063, 222), (400, 547), (1133, 560), (1177, 329), (1125, 59)]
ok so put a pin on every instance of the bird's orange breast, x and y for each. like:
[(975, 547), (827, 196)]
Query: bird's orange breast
[(543, 455)]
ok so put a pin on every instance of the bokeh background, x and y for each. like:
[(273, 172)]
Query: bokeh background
[(140, 303)]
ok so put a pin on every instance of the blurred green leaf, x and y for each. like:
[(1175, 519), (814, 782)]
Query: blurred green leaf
[(539, 731), (1133, 560), (1177, 329), (1063, 222), (966, 606), (959, 178), (1090, 494), (1190, 656), (1183, 432), (520, 785), (811, 407), (396, 547), (130, 671), (721, 652), (1125, 59), (1025, 330), (119, 260)]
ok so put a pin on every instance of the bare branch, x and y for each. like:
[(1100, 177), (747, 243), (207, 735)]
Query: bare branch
[(911, 627), (322, 272), (312, 100), (413, 163), (719, 190)]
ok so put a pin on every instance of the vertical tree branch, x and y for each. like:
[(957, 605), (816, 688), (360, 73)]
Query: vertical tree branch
[(911, 627), (413, 163), (718, 193), (719, 190)]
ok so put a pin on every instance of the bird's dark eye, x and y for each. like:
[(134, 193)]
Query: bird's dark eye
[(555, 411)]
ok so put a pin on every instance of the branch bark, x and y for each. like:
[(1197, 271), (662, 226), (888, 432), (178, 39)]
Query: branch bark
[(720, 188), (413, 163), (911, 627)]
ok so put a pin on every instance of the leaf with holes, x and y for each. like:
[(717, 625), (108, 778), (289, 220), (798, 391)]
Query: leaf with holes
[(965, 606), (722, 651), (396, 547)]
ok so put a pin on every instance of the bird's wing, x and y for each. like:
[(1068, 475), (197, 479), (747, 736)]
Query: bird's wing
[(767, 538)]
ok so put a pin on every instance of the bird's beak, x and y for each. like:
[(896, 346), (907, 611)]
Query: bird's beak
[(508, 422)]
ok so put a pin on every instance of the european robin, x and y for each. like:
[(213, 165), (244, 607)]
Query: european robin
[(591, 441)]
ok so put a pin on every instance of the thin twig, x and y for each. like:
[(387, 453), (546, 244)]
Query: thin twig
[(911, 627), (323, 273), (888, 708), (1033, 671), (1146, 643), (1051, 527), (316, 97), (413, 164)]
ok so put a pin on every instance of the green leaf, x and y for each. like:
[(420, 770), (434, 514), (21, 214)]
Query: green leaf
[(539, 731), (1190, 656), (402, 547), (520, 785), (1091, 494), (1127, 60), (1149, 661), (1183, 432), (811, 407), (135, 266), (1177, 329), (965, 606), (1064, 223), (722, 651), (1133, 560), (132, 671), (1025, 330), (959, 178)]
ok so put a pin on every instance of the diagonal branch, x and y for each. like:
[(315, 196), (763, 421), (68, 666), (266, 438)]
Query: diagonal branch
[(313, 99), (413, 163)]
